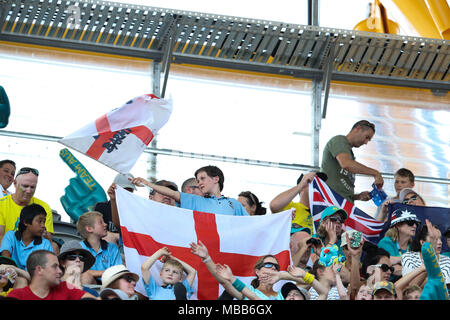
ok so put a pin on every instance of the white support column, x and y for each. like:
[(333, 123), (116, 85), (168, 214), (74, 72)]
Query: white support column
[(156, 90)]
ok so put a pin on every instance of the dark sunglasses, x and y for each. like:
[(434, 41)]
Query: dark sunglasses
[(405, 201), (128, 278), (270, 265), (335, 219), (411, 223), (385, 267), (26, 170), (73, 257)]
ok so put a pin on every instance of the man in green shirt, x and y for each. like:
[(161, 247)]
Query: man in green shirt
[(338, 161)]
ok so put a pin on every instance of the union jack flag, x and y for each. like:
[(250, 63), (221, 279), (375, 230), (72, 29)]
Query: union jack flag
[(322, 196)]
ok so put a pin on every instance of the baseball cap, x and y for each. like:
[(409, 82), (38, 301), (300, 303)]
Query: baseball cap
[(289, 286), (384, 285), (329, 211), (123, 180)]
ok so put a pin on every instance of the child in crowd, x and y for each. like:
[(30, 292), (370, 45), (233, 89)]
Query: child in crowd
[(18, 245), (173, 286), (92, 229)]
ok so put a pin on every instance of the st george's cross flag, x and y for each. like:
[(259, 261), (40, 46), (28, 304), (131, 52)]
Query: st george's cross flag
[(322, 196), (118, 138), (237, 241)]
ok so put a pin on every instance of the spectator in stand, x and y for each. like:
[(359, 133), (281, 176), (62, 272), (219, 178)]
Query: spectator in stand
[(397, 240), (413, 292), (10, 275), (105, 208), (267, 271), (7, 172), (411, 197), (191, 186), (291, 292), (46, 284), (403, 178), (11, 205), (251, 203), (19, 244), (447, 238), (376, 264), (74, 261), (384, 290), (413, 259), (338, 162), (119, 283), (173, 287), (210, 180), (153, 195), (93, 229)]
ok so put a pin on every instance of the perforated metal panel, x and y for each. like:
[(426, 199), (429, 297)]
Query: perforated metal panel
[(228, 42)]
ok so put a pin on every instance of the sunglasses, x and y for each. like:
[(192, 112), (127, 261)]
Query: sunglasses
[(26, 170), (270, 265), (128, 278), (411, 223), (413, 198), (335, 219), (73, 257), (385, 267)]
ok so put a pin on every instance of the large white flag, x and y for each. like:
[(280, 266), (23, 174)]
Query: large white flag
[(238, 241), (118, 138)]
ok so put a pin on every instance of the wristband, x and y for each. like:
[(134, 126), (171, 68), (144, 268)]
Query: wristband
[(206, 259), (308, 278), (238, 285)]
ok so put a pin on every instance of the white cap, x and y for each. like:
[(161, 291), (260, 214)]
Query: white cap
[(124, 180)]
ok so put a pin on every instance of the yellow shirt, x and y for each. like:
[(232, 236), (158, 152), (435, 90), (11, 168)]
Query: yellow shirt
[(302, 216), (10, 213)]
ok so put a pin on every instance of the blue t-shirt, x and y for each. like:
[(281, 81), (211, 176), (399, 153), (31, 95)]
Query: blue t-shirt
[(19, 252), (222, 205), (107, 256), (157, 292)]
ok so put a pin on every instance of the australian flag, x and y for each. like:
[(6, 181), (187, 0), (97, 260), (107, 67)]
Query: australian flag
[(322, 196)]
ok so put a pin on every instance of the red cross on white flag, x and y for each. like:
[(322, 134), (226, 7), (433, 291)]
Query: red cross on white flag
[(238, 241), (118, 138)]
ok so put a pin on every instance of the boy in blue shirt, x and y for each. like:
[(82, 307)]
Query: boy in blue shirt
[(18, 245), (92, 229), (210, 180), (171, 276)]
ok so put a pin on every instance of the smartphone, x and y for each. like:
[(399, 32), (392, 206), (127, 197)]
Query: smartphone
[(355, 242)]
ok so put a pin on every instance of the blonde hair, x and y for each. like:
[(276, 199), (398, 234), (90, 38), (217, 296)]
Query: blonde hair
[(174, 263), (87, 219)]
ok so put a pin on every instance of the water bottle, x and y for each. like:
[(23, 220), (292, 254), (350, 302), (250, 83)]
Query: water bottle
[(378, 195)]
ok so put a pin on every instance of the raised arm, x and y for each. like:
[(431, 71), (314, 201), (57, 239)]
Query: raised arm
[(140, 182), (232, 282), (303, 277), (190, 271), (200, 250), (145, 267), (284, 198)]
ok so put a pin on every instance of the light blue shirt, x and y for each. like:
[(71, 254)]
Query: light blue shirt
[(263, 296), (157, 292), (212, 204), (107, 256), (19, 251)]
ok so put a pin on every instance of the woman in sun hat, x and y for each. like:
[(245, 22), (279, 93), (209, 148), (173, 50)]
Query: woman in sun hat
[(398, 238), (74, 262), (119, 282)]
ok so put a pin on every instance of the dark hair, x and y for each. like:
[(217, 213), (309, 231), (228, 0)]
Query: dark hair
[(364, 123), (317, 266), (252, 199), (258, 265), (212, 171), (3, 162), (37, 258), (27, 215), (421, 234), (373, 254), (403, 172)]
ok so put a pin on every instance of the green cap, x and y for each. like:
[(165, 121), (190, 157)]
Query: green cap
[(329, 211)]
